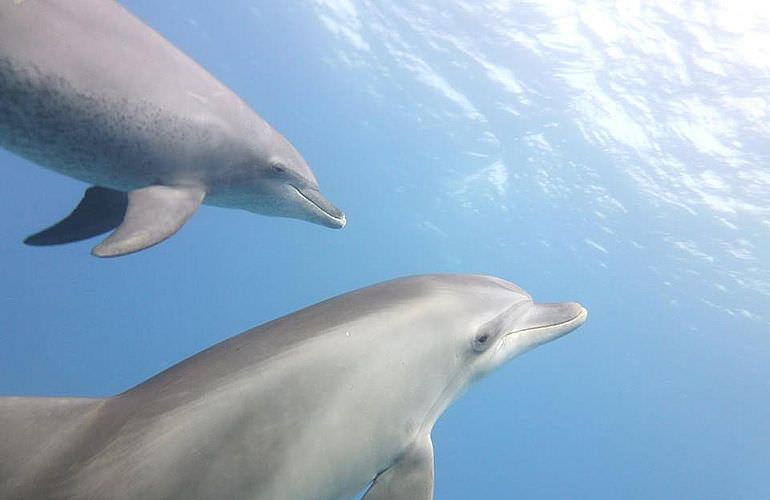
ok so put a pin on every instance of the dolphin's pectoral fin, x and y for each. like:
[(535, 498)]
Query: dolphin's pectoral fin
[(154, 213), (409, 478), (101, 210)]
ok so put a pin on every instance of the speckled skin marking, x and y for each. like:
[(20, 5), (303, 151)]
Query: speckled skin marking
[(105, 141), (88, 90)]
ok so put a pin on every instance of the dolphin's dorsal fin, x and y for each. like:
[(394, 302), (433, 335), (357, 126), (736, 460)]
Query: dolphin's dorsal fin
[(154, 213), (101, 210), (409, 478)]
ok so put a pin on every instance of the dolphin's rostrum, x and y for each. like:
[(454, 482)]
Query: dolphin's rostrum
[(314, 405), (88, 90)]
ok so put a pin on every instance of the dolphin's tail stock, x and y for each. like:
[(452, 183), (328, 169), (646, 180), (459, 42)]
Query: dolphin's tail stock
[(36, 429)]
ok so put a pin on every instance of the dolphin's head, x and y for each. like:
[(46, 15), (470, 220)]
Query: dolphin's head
[(470, 325), (295, 190), (520, 327), (275, 180)]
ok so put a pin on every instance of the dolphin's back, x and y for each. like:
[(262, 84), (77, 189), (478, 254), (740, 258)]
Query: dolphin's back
[(90, 91), (259, 345), (35, 429), (230, 421)]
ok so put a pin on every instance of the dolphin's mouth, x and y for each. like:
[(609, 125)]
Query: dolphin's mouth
[(551, 321), (332, 216)]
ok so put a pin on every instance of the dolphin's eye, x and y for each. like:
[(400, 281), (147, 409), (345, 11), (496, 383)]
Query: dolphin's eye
[(278, 168), (481, 342)]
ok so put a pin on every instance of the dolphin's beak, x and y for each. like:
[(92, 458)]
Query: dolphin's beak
[(546, 322), (328, 214)]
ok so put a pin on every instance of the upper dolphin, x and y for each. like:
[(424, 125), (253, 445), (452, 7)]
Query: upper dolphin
[(88, 90), (314, 405)]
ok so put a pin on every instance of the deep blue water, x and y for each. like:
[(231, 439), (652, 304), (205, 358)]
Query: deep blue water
[(611, 155)]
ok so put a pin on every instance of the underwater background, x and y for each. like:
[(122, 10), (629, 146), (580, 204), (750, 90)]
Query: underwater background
[(610, 153)]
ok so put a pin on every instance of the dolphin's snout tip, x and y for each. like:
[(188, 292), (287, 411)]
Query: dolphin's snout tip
[(546, 322), (583, 314), (580, 313), (340, 222), (334, 221), (326, 213), (574, 315)]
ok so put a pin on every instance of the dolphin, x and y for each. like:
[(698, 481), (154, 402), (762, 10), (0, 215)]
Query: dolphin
[(89, 91), (315, 405)]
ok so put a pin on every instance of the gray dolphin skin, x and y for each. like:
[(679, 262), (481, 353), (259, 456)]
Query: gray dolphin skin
[(315, 405), (88, 90)]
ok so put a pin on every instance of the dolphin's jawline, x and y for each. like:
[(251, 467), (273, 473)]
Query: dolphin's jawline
[(582, 315), (319, 207)]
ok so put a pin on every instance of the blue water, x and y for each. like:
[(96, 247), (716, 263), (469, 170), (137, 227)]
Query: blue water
[(616, 156)]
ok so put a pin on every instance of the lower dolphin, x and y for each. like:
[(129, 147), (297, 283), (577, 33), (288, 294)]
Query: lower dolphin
[(314, 405)]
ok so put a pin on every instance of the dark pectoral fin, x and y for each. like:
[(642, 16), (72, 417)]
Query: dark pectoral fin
[(410, 478), (100, 210), (154, 213)]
